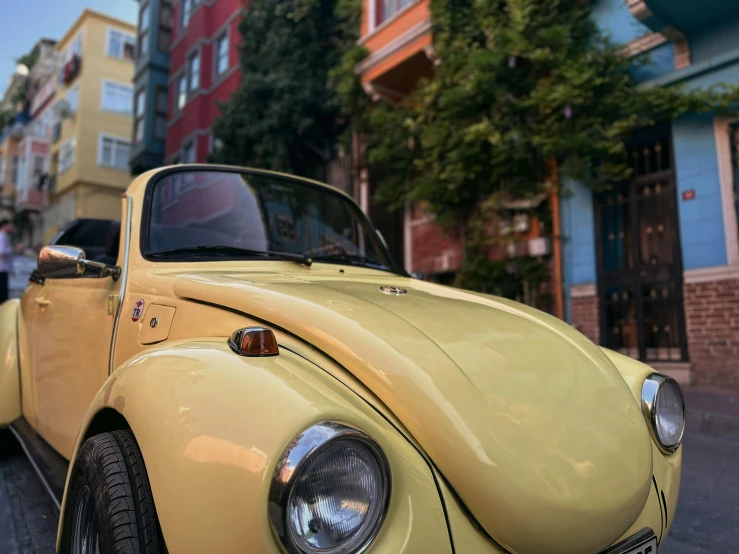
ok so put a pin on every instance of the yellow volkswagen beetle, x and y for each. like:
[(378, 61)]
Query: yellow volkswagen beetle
[(243, 368)]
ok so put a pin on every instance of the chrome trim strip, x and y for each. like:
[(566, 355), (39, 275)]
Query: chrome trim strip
[(297, 453), (650, 390), (124, 279), (642, 538), (44, 482)]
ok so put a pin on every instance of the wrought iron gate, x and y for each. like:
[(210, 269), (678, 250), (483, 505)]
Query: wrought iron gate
[(640, 274)]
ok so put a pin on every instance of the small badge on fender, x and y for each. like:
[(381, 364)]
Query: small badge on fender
[(138, 310), (393, 290)]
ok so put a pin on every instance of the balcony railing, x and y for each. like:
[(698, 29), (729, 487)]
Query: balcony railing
[(34, 200)]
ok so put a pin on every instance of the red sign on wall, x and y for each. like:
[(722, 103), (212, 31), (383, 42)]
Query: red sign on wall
[(689, 195)]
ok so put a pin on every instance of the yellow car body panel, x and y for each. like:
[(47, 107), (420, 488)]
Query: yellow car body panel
[(211, 427), (10, 393), (528, 435)]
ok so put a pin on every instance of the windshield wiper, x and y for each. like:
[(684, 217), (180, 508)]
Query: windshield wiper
[(352, 259), (225, 251)]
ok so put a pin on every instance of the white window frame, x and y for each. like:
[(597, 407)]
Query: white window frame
[(190, 9), (139, 117), (181, 77), (124, 36), (73, 90), (722, 126), (225, 34), (144, 9), (77, 44), (128, 86), (195, 53), (64, 167), (100, 161), (185, 145)]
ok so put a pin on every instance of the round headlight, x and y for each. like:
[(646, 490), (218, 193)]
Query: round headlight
[(664, 407), (330, 491)]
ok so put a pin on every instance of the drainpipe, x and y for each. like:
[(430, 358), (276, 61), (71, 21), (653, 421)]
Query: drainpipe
[(559, 305)]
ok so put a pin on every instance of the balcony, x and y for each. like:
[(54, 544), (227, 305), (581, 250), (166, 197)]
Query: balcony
[(684, 16), (398, 35), (30, 200)]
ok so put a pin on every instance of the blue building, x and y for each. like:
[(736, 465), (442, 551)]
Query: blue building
[(150, 85), (652, 269)]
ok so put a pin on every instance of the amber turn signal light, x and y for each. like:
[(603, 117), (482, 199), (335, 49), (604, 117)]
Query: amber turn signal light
[(254, 342)]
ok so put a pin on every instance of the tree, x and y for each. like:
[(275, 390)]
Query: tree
[(285, 114), (523, 86)]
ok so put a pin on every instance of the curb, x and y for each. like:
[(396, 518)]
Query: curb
[(718, 425)]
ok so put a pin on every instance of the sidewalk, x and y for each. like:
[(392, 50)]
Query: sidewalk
[(712, 411)]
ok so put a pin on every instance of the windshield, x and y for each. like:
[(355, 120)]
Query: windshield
[(217, 214)]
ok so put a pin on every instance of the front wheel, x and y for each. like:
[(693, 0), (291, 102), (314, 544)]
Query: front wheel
[(110, 508)]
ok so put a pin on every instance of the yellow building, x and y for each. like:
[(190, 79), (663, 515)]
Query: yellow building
[(92, 127)]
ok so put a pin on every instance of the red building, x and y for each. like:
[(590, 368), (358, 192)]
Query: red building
[(204, 69)]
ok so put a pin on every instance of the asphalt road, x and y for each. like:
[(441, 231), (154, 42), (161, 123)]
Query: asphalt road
[(27, 517), (707, 520)]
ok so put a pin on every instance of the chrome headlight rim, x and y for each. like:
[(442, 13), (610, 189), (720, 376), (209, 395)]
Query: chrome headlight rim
[(298, 453), (650, 391)]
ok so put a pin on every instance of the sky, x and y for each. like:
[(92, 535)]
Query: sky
[(23, 22)]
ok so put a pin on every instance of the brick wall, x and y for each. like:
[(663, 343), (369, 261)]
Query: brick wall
[(712, 322), (584, 316), (433, 251)]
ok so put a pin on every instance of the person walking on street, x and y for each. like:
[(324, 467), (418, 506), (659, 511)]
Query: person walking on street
[(6, 258)]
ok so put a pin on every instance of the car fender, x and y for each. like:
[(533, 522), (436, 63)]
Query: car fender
[(666, 467), (10, 390), (211, 426)]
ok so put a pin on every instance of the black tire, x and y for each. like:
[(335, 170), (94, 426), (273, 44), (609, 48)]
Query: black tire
[(109, 489)]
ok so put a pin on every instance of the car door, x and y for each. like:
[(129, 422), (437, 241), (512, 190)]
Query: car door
[(71, 341)]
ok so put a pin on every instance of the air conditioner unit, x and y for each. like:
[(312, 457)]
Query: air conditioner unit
[(541, 246), (62, 109)]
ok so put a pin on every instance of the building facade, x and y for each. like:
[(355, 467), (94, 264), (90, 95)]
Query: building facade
[(204, 69), (34, 148), (92, 121), (652, 268), (151, 85), (398, 36)]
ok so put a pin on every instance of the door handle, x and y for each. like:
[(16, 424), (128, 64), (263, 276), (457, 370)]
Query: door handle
[(42, 301)]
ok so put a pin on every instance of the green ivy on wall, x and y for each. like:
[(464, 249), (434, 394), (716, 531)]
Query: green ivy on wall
[(521, 84)]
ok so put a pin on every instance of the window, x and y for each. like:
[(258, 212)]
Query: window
[(76, 47), (181, 93), (117, 97), (323, 225), (114, 152), (222, 54), (193, 72), (164, 36), (143, 45), (138, 128), (66, 155), (160, 117), (38, 167), (144, 18), (388, 8), (143, 38), (73, 97), (120, 45), (188, 153), (186, 9), (13, 170)]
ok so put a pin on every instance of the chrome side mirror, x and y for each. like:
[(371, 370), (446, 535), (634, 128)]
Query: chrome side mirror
[(68, 262)]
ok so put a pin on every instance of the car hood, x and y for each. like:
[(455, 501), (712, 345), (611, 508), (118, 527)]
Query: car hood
[(528, 421)]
